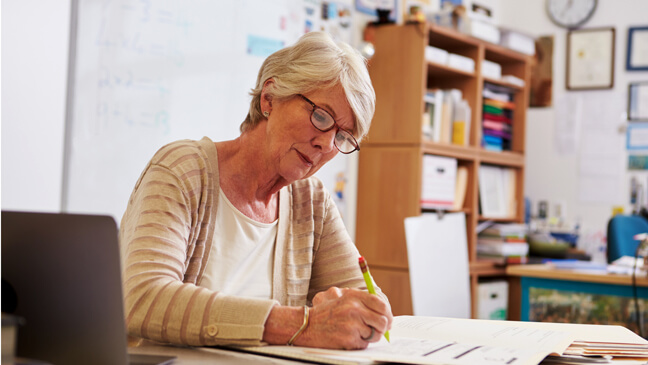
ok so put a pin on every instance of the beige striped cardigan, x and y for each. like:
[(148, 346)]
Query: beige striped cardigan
[(166, 235)]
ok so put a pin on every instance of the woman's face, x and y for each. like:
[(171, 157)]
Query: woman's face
[(298, 149)]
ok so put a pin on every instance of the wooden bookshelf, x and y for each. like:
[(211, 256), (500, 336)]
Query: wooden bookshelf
[(390, 162)]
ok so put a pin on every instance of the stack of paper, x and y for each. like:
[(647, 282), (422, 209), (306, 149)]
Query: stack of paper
[(505, 243), (624, 350)]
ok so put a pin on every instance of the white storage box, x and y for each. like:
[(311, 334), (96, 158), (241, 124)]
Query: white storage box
[(493, 300), (491, 69), (483, 30), (513, 80), (436, 55), (461, 62), (518, 42)]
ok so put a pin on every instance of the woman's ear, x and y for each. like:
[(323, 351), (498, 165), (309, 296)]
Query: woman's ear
[(266, 96)]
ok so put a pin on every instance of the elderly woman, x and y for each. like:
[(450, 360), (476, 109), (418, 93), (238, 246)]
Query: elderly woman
[(235, 242)]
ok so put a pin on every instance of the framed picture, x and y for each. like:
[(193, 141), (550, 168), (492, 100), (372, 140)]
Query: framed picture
[(638, 101), (637, 58), (590, 59)]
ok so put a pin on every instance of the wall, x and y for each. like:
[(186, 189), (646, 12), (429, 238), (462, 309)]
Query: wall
[(35, 36), (35, 40), (554, 176), (34, 60)]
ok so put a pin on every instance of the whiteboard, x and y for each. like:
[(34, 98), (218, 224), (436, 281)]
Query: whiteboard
[(146, 73)]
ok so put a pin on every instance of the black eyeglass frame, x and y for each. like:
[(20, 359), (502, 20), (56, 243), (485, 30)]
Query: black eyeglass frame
[(315, 106)]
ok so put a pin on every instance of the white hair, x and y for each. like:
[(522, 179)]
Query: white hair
[(316, 62)]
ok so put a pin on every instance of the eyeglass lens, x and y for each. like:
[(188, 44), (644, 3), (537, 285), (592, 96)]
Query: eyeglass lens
[(323, 121)]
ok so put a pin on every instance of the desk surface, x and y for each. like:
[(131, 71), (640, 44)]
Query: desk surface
[(549, 272), (201, 356)]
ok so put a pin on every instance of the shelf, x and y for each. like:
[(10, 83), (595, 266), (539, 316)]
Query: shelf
[(486, 268), (466, 211), (449, 39), (499, 219), (504, 158), (499, 54), (449, 150), (442, 71), (513, 87)]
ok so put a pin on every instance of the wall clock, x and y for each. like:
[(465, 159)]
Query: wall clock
[(570, 13)]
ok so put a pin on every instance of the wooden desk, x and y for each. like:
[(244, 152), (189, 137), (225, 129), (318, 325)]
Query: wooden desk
[(543, 293)]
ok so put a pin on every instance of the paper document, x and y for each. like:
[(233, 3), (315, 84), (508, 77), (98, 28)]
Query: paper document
[(437, 340)]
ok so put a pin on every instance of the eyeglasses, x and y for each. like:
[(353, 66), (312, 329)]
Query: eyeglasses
[(324, 122)]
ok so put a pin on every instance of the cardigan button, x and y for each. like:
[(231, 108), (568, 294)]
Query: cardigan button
[(212, 330)]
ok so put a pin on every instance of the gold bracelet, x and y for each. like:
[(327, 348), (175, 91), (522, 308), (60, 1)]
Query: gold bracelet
[(302, 328)]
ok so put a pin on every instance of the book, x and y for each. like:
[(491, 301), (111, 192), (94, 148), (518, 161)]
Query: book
[(426, 121), (445, 122), (461, 187), (461, 123), (497, 117), (433, 109), (440, 340)]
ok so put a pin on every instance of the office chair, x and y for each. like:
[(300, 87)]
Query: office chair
[(621, 230)]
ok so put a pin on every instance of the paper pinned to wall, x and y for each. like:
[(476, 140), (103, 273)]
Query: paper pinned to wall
[(601, 162), (568, 116), (437, 251)]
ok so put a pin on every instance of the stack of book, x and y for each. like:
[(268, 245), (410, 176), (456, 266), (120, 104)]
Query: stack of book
[(504, 243), (497, 118)]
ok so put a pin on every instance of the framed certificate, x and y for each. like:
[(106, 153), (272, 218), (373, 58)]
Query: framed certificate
[(637, 58), (638, 101), (590, 59)]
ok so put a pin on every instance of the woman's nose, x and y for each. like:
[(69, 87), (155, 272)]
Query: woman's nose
[(325, 140)]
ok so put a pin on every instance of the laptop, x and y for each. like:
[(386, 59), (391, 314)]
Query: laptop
[(61, 273)]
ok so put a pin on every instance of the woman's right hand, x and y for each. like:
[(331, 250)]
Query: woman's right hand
[(343, 318)]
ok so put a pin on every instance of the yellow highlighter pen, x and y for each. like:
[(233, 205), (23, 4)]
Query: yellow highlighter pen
[(369, 282)]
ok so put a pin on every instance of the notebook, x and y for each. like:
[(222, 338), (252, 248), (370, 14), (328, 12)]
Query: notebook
[(61, 273)]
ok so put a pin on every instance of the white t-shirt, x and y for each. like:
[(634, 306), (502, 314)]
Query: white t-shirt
[(241, 257)]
